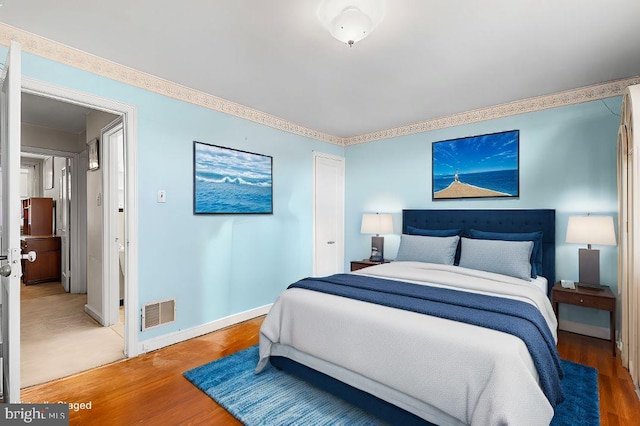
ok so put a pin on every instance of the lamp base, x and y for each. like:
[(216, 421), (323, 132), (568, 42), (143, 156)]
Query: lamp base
[(589, 265), (377, 249)]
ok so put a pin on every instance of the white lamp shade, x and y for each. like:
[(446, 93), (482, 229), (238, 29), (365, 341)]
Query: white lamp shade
[(351, 20), (591, 230), (373, 223)]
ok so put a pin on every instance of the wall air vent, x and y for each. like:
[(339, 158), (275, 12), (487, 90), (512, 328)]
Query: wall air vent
[(158, 313)]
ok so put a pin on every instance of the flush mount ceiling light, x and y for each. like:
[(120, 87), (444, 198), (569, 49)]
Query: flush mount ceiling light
[(351, 20)]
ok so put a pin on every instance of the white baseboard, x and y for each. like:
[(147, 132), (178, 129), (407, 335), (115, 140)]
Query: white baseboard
[(585, 329), (182, 335), (93, 314)]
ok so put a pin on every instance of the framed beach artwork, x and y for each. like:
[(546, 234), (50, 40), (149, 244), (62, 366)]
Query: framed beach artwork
[(485, 166), (230, 181)]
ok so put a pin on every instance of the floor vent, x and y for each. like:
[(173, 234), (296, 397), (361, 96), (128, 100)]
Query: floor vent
[(158, 313)]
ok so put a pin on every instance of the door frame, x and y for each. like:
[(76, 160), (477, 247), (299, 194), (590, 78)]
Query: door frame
[(129, 117), (340, 243), (64, 204)]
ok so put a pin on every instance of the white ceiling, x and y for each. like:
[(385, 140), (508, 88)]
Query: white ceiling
[(427, 59)]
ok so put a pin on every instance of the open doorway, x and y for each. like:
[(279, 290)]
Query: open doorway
[(76, 297), (128, 114)]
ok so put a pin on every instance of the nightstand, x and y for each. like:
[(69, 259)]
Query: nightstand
[(596, 299), (365, 263)]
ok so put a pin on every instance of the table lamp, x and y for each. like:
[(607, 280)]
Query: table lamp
[(376, 223), (589, 230)]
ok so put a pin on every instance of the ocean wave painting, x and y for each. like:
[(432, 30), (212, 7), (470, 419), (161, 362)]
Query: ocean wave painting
[(476, 167), (230, 181)]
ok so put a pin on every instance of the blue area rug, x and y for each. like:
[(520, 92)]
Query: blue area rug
[(274, 397)]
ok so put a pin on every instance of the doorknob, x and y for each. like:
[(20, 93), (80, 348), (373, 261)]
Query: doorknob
[(31, 256), (5, 270)]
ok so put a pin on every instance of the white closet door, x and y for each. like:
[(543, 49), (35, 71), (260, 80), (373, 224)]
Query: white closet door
[(328, 214)]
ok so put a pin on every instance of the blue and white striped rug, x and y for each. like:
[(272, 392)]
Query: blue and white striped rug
[(277, 398)]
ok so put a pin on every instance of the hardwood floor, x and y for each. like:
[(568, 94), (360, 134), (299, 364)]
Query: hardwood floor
[(619, 404), (150, 389)]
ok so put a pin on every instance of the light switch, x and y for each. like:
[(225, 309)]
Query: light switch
[(162, 196)]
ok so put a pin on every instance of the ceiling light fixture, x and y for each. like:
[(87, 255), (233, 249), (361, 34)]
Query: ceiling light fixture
[(351, 20)]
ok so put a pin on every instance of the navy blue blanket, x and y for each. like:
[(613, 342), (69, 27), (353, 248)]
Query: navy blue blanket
[(510, 316)]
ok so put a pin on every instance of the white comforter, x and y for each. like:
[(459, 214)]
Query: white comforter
[(441, 370)]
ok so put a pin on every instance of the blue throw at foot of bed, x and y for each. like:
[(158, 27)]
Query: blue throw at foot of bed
[(510, 316)]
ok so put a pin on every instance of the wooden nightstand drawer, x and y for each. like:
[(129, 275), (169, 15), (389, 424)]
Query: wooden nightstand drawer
[(587, 300)]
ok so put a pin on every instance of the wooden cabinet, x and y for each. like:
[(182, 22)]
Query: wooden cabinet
[(37, 216), (47, 264)]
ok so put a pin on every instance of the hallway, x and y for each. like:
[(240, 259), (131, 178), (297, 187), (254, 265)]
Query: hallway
[(59, 339)]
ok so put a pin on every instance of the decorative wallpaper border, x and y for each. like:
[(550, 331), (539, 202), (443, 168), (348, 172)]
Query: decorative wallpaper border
[(569, 97), (58, 52)]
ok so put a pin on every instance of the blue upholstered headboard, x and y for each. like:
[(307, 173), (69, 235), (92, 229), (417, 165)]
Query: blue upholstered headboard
[(495, 221)]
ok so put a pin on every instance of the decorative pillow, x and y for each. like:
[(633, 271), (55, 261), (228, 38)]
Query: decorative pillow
[(420, 248), (503, 257), (433, 232), (536, 237)]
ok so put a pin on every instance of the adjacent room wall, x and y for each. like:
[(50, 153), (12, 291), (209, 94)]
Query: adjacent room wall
[(567, 163), (46, 138)]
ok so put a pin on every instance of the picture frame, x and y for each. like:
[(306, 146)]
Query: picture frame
[(231, 181), (484, 166), (94, 154), (47, 172)]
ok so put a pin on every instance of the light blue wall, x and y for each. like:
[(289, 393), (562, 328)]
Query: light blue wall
[(214, 265), (567, 163)]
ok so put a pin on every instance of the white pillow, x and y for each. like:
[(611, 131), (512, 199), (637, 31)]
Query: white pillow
[(419, 248), (502, 257)]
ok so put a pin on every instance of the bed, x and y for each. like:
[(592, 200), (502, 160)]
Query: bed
[(438, 366)]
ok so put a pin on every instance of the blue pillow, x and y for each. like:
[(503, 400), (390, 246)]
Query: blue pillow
[(420, 248), (536, 237), (499, 256), (433, 232)]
